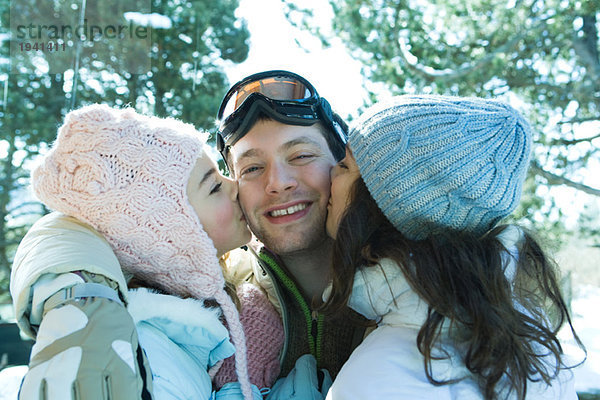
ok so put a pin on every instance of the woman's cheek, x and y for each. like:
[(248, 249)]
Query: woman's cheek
[(223, 218)]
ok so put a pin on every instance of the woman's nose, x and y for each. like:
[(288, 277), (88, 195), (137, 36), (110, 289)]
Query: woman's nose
[(231, 187)]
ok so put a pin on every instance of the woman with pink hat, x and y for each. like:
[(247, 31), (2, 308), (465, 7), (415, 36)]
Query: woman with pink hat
[(150, 189)]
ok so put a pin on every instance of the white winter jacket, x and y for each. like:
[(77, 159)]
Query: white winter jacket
[(388, 364)]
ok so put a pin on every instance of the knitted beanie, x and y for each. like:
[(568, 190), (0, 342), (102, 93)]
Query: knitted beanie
[(126, 174), (264, 338), (438, 162)]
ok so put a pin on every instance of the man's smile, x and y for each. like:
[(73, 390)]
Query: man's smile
[(288, 212)]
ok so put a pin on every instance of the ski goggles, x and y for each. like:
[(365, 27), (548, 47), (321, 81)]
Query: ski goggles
[(281, 95)]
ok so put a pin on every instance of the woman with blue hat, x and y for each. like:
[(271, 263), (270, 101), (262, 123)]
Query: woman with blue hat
[(465, 308)]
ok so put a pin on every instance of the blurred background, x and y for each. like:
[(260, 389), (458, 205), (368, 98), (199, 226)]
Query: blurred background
[(540, 56)]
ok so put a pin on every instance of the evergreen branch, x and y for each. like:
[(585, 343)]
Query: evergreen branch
[(579, 120), (24, 204), (567, 142), (554, 179), (449, 74)]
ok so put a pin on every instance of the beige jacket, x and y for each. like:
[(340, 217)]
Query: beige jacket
[(54, 246)]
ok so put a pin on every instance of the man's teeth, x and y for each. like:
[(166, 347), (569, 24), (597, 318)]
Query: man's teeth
[(289, 210)]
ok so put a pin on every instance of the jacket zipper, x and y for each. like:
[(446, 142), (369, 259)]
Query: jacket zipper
[(284, 311), (314, 330)]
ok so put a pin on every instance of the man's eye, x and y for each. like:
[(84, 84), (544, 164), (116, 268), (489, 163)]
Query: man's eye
[(248, 170), (216, 188), (303, 157)]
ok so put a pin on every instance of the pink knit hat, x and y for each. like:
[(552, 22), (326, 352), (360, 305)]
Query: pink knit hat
[(126, 175)]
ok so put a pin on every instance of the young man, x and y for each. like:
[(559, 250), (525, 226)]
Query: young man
[(280, 141), (280, 145)]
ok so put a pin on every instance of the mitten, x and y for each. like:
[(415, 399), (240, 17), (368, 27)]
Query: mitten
[(87, 348), (304, 382)]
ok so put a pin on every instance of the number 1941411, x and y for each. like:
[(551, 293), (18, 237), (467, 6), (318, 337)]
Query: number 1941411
[(42, 46)]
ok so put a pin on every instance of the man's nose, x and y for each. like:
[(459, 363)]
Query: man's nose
[(280, 178)]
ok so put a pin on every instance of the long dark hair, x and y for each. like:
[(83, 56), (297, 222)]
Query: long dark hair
[(462, 279)]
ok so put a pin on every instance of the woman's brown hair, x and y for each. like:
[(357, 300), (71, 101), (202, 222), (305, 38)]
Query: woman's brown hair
[(508, 328)]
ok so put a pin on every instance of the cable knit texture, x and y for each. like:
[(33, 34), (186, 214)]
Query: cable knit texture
[(435, 162), (264, 335), (126, 175)]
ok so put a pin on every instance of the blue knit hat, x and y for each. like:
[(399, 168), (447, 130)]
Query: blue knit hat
[(437, 162)]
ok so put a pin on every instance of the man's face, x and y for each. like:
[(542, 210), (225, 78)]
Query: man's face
[(284, 184)]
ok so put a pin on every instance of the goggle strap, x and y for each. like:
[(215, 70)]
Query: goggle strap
[(327, 117)]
